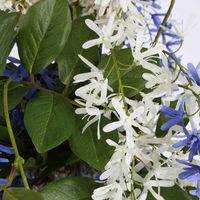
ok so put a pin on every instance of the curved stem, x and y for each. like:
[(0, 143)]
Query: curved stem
[(176, 61), (10, 178), (19, 161), (29, 84), (164, 22), (64, 92), (121, 90)]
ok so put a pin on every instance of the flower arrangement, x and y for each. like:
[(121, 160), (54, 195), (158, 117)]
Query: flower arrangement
[(97, 83)]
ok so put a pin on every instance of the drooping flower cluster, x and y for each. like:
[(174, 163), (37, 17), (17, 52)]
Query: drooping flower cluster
[(135, 150), (142, 161)]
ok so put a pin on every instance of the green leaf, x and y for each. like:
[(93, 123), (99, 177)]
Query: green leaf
[(88, 148), (8, 33), (15, 95), (21, 193), (70, 188), (173, 193), (68, 61), (49, 120), (43, 33), (131, 75)]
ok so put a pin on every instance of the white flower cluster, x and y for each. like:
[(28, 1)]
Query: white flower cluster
[(141, 161), (116, 21), (138, 149), (16, 5)]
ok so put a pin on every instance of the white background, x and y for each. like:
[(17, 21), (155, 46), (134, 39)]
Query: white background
[(187, 12)]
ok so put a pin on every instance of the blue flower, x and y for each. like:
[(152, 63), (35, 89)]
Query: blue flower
[(192, 140), (191, 173), (16, 73), (176, 116), (2, 181), (17, 117), (46, 75), (6, 150), (197, 191), (195, 77)]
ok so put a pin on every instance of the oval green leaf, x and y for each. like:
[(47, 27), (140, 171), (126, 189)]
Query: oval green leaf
[(49, 120), (8, 33), (16, 93), (21, 193), (91, 150), (43, 33), (70, 188), (68, 61)]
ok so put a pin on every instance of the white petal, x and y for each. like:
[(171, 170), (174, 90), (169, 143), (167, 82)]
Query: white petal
[(112, 126), (87, 62), (94, 27), (92, 43), (118, 107), (89, 123)]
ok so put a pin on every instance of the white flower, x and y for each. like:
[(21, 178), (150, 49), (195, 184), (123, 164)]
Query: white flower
[(119, 167), (150, 115), (159, 177), (92, 95), (95, 92), (126, 121), (142, 57), (162, 80), (94, 112), (112, 191), (105, 34)]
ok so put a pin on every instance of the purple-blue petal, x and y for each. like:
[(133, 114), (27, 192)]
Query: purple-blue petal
[(194, 73), (8, 150), (4, 160), (170, 123)]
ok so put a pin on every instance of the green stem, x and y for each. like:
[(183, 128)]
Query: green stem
[(10, 178), (121, 90), (176, 61), (64, 92), (29, 84), (74, 14), (164, 22), (18, 159)]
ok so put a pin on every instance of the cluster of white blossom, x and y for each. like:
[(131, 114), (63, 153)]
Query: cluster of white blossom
[(141, 161), (138, 149)]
